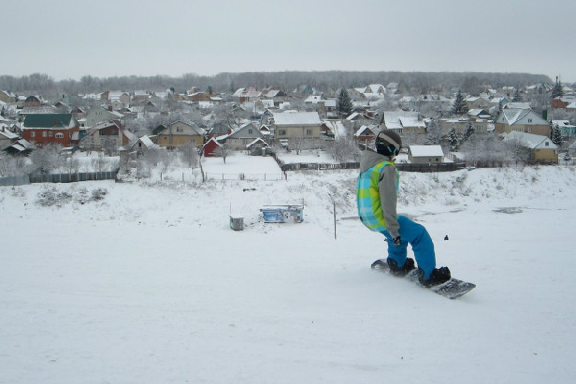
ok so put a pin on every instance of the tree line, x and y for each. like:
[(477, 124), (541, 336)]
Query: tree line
[(324, 81)]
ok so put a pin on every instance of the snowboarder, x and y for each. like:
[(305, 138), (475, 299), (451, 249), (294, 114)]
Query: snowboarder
[(376, 194)]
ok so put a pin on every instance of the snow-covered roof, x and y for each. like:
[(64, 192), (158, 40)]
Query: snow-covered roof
[(412, 121), (336, 126), (426, 151), (517, 105), (255, 141), (366, 129), (402, 119), (330, 103), (521, 116), (314, 99), (4, 131), (562, 123), (146, 141), (297, 118), (530, 140)]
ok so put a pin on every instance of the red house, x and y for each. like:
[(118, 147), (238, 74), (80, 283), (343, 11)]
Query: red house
[(51, 128), (211, 147)]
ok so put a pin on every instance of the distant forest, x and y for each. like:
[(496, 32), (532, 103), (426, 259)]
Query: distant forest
[(327, 82)]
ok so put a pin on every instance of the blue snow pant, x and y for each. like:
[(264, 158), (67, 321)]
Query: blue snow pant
[(417, 236)]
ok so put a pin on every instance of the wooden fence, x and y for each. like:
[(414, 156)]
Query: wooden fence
[(405, 167), (58, 177)]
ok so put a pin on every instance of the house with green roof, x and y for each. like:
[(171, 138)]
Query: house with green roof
[(51, 128)]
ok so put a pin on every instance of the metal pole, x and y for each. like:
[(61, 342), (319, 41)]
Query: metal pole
[(334, 202)]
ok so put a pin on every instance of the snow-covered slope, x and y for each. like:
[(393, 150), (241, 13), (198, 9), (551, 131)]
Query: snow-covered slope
[(145, 282)]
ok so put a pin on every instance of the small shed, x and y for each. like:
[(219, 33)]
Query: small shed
[(211, 147), (425, 154), (257, 147)]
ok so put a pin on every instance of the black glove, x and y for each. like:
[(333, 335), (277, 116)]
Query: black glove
[(396, 241)]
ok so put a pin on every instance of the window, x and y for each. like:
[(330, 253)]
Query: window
[(44, 134), (50, 133), (33, 134), (282, 132), (249, 131), (309, 132), (59, 135)]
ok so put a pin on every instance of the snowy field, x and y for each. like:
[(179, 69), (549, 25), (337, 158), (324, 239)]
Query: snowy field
[(145, 282)]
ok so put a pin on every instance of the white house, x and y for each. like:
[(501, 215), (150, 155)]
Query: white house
[(423, 154)]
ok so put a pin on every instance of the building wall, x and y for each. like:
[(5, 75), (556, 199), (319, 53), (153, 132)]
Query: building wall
[(43, 136), (292, 132), (425, 160), (170, 141), (545, 155), (542, 130)]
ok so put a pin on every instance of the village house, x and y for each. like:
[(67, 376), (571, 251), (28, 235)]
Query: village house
[(292, 125), (477, 102), (51, 128), (542, 149), (7, 97), (275, 96), (180, 133), (425, 154), (461, 124), (366, 134), (522, 120), (96, 115), (334, 128), (404, 122), (33, 101), (7, 138), (247, 94), (117, 99), (241, 137), (143, 145), (140, 96), (566, 129), (562, 102), (108, 135), (19, 147)]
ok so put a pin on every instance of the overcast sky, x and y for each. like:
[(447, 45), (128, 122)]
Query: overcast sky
[(72, 38)]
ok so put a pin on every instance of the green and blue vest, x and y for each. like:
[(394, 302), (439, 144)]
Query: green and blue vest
[(368, 196)]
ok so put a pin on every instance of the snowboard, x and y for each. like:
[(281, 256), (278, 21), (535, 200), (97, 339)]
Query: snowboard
[(451, 289)]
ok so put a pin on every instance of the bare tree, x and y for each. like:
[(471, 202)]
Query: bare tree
[(485, 151), (343, 150), (189, 153), (46, 158), (101, 162), (222, 151), (72, 163), (9, 165)]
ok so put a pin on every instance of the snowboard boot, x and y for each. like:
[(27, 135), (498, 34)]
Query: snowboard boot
[(378, 264), (400, 271), (438, 276)]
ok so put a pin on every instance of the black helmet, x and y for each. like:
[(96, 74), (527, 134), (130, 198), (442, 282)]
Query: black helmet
[(388, 143)]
